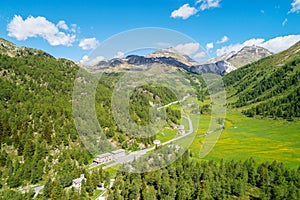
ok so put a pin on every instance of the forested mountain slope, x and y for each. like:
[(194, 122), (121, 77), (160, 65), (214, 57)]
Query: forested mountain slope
[(37, 131), (269, 87)]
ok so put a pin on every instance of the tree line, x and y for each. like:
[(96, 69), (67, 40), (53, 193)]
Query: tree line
[(190, 179)]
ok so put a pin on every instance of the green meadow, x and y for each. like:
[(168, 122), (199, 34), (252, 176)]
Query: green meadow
[(261, 139), (167, 134)]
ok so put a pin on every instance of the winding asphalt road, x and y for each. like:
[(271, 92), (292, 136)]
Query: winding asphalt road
[(174, 102), (131, 156)]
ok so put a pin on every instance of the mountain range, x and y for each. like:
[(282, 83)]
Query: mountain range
[(221, 65)]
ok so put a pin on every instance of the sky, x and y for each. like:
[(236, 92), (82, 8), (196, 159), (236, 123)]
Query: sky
[(73, 29)]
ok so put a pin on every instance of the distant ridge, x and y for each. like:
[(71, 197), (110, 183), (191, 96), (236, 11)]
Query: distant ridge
[(170, 56), (221, 65)]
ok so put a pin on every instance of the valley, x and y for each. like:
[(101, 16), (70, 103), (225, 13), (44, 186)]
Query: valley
[(150, 100), (40, 146)]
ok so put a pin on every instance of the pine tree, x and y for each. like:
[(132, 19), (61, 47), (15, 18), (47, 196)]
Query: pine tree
[(48, 188)]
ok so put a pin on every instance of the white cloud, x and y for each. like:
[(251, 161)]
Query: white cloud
[(207, 4), (91, 62), (74, 28), (84, 59), (188, 48), (120, 54), (228, 49), (238, 46), (200, 55), (184, 12), (281, 43), (253, 41), (285, 21), (62, 24), (96, 60), (223, 40), (274, 45), (295, 6), (38, 27), (209, 46), (88, 43)]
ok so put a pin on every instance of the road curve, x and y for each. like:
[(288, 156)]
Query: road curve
[(131, 156)]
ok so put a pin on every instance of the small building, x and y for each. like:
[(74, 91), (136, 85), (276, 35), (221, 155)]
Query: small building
[(118, 154), (103, 158), (157, 143), (77, 182), (181, 130)]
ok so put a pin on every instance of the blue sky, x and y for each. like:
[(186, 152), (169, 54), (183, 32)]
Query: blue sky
[(71, 29)]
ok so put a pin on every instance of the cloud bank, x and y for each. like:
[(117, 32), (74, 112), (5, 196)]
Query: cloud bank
[(274, 45), (22, 29)]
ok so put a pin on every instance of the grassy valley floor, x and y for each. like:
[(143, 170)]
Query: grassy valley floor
[(262, 139)]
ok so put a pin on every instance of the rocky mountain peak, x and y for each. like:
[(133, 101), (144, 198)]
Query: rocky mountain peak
[(247, 55), (172, 53)]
